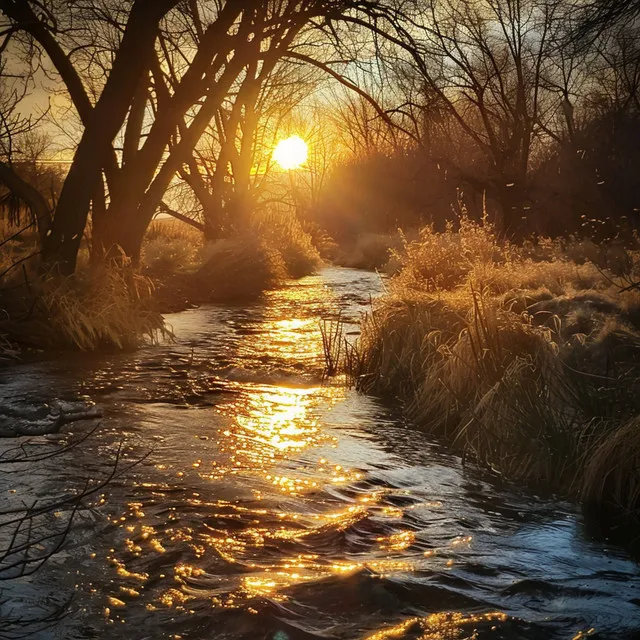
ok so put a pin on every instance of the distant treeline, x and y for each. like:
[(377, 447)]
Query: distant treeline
[(527, 110)]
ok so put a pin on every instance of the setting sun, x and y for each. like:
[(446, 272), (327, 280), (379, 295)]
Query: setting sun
[(291, 153)]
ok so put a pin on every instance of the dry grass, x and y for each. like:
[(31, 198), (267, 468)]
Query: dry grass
[(103, 308), (334, 345), (612, 473), (528, 363), (171, 246), (284, 233), (243, 266), (239, 268), (16, 247)]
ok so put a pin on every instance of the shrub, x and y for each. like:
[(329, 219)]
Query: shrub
[(171, 246), (284, 233), (163, 256), (612, 473), (444, 260), (237, 268)]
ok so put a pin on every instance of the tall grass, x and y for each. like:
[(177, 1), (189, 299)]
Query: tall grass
[(108, 307), (524, 358), (17, 247), (238, 268), (171, 246), (334, 345), (284, 233)]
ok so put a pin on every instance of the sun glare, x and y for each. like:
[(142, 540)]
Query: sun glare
[(291, 153)]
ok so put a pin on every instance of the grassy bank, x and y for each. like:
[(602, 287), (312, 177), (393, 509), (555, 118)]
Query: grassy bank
[(115, 306), (101, 308), (238, 267), (525, 358)]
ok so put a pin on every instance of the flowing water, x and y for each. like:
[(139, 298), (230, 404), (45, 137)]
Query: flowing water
[(273, 505)]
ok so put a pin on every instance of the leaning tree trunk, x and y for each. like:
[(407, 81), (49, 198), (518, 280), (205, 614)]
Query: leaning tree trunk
[(130, 216), (62, 244)]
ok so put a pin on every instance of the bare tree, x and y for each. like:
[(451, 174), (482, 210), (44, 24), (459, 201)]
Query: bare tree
[(230, 169), (101, 120), (19, 145)]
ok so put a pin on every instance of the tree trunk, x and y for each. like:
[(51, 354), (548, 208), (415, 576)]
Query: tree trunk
[(131, 215), (62, 244), (207, 62)]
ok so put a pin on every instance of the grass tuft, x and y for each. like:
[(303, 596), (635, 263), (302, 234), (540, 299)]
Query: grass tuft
[(239, 268), (611, 477), (170, 247), (284, 233)]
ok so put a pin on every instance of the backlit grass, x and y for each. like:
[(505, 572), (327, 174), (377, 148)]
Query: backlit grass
[(524, 358)]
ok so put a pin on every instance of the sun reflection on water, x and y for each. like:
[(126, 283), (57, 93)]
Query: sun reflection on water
[(438, 626), (267, 424), (262, 529), (269, 435)]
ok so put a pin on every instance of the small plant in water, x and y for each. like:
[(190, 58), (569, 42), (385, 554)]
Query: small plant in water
[(333, 345)]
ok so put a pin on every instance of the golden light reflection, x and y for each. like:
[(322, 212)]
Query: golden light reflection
[(264, 576), (397, 541), (174, 598), (115, 602), (461, 541), (272, 437), (123, 572), (437, 626), (271, 423), (182, 571), (291, 342)]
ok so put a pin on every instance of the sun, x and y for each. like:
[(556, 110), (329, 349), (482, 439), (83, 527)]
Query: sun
[(291, 153)]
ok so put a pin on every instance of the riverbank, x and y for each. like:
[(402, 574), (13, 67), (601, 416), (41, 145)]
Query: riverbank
[(523, 358), (114, 306)]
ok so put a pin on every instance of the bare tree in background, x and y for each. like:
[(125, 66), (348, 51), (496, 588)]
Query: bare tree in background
[(230, 169), (20, 148)]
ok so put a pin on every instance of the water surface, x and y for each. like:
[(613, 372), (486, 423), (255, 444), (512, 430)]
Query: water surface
[(273, 504)]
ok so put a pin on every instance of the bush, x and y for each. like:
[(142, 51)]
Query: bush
[(239, 268), (284, 233), (171, 246), (612, 472), (163, 256)]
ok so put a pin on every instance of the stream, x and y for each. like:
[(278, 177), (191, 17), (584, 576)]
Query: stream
[(267, 503)]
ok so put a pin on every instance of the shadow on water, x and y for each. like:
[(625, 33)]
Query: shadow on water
[(277, 506)]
